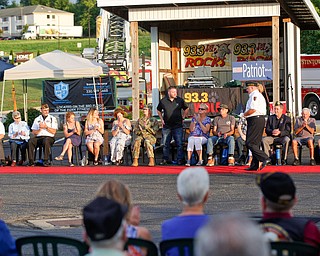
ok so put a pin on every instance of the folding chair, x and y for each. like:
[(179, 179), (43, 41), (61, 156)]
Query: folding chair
[(151, 248), (183, 245), (293, 249)]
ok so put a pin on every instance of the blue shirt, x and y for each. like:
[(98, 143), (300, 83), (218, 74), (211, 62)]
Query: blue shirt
[(182, 226), (7, 243)]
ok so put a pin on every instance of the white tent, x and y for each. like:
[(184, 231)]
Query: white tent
[(55, 64)]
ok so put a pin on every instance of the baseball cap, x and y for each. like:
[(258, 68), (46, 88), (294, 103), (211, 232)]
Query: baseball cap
[(223, 106), (277, 187), (102, 218), (251, 83), (278, 103)]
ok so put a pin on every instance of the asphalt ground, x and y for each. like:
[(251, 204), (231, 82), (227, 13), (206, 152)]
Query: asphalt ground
[(41, 197)]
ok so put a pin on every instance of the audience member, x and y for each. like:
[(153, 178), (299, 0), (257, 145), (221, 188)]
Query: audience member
[(193, 192), (278, 199), (304, 130), (104, 224), (223, 130), (170, 112), (2, 133), (278, 130), (119, 192), (72, 133), (241, 142), (145, 130), (19, 134), (199, 133), (93, 130), (44, 128), (230, 234), (7, 242), (121, 129)]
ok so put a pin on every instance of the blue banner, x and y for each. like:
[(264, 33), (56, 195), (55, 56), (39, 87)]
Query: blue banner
[(252, 70)]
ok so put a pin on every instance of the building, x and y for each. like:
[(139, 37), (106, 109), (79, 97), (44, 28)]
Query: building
[(12, 20)]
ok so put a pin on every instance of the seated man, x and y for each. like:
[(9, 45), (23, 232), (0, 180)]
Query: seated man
[(304, 130), (278, 131), (223, 130), (193, 191), (104, 222), (44, 128), (278, 199)]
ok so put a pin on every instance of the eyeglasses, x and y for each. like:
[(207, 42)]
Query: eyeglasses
[(17, 117), (202, 109)]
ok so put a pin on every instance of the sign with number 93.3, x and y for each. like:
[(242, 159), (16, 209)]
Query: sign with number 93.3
[(196, 97)]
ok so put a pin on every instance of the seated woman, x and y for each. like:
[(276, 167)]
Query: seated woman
[(93, 130), (121, 128), (145, 131), (72, 133), (19, 134), (199, 133)]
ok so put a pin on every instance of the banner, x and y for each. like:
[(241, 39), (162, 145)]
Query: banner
[(252, 70), (78, 95), (219, 54), (213, 97)]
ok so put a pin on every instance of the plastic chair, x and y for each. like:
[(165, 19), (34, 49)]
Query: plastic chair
[(183, 245), (293, 249), (50, 245), (151, 248)]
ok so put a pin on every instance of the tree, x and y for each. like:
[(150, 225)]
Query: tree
[(25, 2), (4, 3)]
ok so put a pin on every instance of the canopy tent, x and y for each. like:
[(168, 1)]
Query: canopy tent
[(3, 67), (55, 64)]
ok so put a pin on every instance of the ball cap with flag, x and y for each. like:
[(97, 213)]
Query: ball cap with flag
[(102, 218), (277, 187), (225, 106)]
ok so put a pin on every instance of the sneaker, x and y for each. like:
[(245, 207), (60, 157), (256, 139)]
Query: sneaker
[(210, 161), (313, 162), (296, 162), (231, 161), (188, 163), (200, 163), (163, 162)]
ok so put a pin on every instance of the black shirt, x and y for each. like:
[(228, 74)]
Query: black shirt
[(172, 114)]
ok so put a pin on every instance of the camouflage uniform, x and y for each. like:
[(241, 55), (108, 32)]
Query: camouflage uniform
[(145, 130)]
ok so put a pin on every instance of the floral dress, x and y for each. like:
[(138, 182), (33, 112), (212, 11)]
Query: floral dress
[(96, 136)]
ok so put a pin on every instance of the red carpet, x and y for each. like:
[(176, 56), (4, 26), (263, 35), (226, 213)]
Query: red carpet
[(148, 170)]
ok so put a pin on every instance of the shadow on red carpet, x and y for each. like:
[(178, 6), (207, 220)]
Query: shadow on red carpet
[(128, 170)]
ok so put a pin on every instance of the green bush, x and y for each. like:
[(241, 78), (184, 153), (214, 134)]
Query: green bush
[(32, 114)]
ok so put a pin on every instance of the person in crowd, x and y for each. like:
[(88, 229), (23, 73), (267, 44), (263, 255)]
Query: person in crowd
[(44, 128), (72, 133), (277, 201), (230, 234), (2, 133), (172, 110), (7, 242), (193, 192), (199, 133), (278, 130), (304, 130), (105, 228), (19, 134), (119, 192), (241, 141), (256, 109), (145, 130), (121, 135), (223, 130), (93, 130)]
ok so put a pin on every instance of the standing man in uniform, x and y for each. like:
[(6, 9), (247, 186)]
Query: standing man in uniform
[(172, 110), (256, 110)]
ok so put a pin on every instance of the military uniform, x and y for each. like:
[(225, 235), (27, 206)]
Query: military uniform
[(145, 131)]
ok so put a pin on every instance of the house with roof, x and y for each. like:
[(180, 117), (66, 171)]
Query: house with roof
[(12, 20)]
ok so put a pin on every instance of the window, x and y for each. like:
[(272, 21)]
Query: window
[(19, 17), (53, 17), (48, 16), (19, 27), (5, 28), (5, 19)]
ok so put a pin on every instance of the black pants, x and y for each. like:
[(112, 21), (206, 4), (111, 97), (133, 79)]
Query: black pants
[(35, 142), (255, 126)]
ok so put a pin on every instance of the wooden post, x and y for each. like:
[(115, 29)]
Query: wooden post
[(275, 59), (13, 91), (135, 69)]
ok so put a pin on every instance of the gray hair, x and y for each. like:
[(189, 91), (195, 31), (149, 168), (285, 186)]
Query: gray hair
[(231, 234), (15, 113), (305, 110), (193, 185)]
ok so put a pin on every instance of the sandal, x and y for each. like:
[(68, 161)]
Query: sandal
[(71, 164), (59, 158), (95, 163)]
